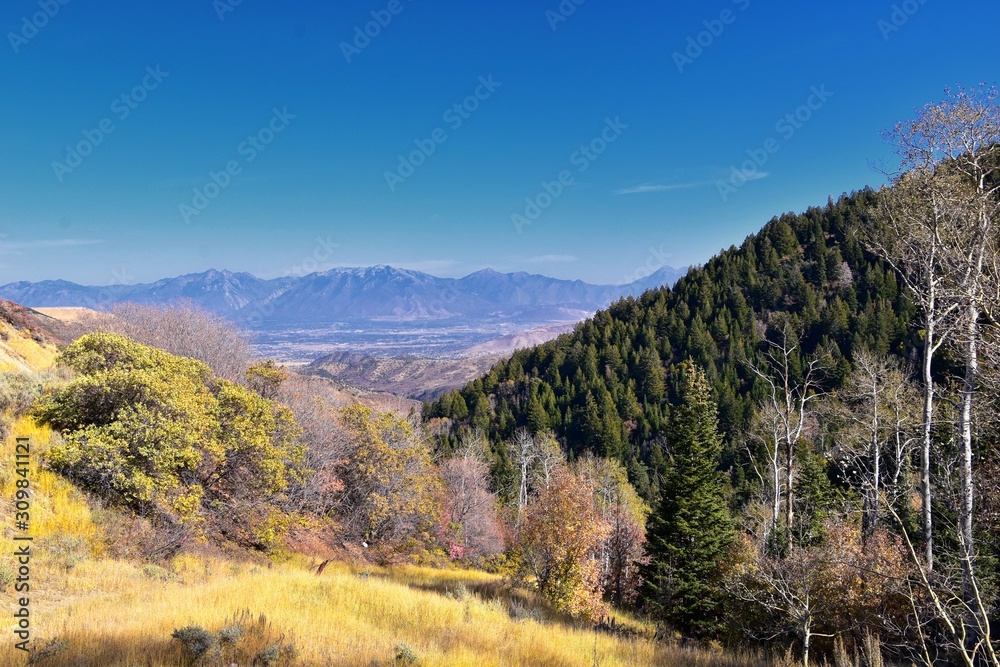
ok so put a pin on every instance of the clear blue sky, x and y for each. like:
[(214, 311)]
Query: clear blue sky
[(115, 215)]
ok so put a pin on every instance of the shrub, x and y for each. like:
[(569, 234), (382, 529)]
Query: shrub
[(67, 550), (18, 391), (268, 656), (405, 655), (196, 641), (159, 434), (157, 573), (231, 635), (47, 650), (244, 640)]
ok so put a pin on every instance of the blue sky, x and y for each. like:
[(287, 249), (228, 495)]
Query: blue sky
[(145, 140)]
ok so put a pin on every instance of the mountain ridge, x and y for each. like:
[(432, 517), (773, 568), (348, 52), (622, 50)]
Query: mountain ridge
[(352, 293)]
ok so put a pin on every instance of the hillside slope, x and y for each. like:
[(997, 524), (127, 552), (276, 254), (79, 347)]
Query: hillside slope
[(606, 387), (414, 377), (92, 606), (28, 339)]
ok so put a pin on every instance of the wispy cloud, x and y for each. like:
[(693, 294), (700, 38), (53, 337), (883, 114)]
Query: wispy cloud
[(662, 187), (552, 259), (645, 188), (20, 247)]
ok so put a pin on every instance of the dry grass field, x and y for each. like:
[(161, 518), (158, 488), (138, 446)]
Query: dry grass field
[(93, 611)]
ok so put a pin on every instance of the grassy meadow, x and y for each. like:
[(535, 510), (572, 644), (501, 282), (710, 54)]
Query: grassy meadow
[(91, 610)]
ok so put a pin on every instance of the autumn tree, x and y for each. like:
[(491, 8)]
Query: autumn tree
[(625, 513), (471, 529), (391, 488), (561, 533), (690, 531)]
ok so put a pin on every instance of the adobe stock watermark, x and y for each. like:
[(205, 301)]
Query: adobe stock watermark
[(248, 151), (107, 295), (322, 253), (562, 13), (582, 158), (657, 259), (32, 24), (454, 117), (223, 7), (900, 15), (121, 108), (786, 127), (714, 29), (364, 34)]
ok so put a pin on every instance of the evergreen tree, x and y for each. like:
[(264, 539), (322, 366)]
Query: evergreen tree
[(691, 530)]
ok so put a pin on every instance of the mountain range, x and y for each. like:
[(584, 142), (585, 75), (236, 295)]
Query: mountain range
[(354, 294)]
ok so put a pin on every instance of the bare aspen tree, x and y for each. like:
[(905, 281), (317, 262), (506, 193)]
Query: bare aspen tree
[(875, 405), (954, 146), (767, 429), (523, 454), (789, 394), (967, 130), (911, 217), (548, 459)]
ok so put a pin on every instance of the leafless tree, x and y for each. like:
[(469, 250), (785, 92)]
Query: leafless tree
[(790, 389), (523, 455), (875, 405), (470, 508), (328, 445), (910, 219), (954, 148), (794, 589), (965, 131), (183, 329)]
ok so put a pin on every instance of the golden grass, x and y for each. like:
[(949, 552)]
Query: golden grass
[(57, 508), (112, 613), (22, 353)]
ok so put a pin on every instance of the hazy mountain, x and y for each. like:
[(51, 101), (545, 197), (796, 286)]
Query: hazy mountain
[(667, 275), (223, 292), (349, 294)]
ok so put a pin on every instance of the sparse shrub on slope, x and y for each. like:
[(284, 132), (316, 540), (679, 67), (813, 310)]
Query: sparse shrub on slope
[(245, 640)]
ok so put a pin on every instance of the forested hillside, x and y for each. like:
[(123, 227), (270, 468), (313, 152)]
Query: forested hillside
[(607, 388)]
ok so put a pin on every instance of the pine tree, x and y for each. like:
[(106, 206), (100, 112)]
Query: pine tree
[(691, 530)]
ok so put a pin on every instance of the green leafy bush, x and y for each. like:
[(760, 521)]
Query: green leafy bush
[(162, 435)]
